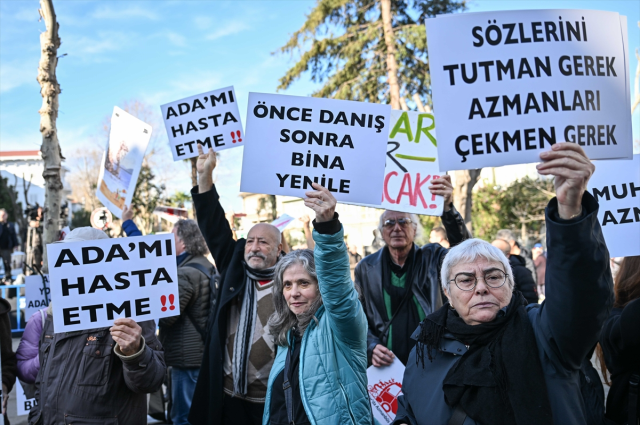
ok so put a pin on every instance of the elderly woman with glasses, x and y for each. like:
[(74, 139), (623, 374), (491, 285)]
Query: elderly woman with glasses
[(319, 375), (488, 358)]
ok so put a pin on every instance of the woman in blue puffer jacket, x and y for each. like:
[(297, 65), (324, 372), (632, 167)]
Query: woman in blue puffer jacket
[(320, 372)]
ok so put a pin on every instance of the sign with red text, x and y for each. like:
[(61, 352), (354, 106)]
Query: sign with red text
[(507, 85), (294, 141), (209, 119), (412, 163), (122, 161), (384, 385), (616, 187), (95, 282)]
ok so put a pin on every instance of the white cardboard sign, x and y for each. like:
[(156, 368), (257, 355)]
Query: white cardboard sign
[(122, 161), (412, 163), (509, 84), (95, 282), (384, 387), (23, 404), (294, 141), (36, 294), (210, 119), (282, 222), (616, 187)]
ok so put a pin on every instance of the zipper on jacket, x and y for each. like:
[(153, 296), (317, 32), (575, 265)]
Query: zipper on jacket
[(344, 393)]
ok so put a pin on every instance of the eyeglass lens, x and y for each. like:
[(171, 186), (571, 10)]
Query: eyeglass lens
[(493, 279)]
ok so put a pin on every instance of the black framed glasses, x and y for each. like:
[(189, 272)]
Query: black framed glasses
[(492, 278), (402, 221)]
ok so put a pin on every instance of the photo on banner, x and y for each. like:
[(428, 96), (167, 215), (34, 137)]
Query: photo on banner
[(616, 186), (412, 163), (210, 119), (292, 142), (509, 84), (95, 282), (384, 385), (37, 294), (122, 160)]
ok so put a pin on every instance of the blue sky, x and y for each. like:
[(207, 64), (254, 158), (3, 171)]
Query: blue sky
[(160, 51)]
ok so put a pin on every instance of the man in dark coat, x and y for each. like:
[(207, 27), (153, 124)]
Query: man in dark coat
[(9, 362), (8, 242), (239, 350), (401, 281), (522, 276)]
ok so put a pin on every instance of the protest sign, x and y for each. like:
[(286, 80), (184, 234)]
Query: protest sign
[(616, 187), (508, 85), (23, 404), (95, 282), (37, 294), (292, 142), (209, 119), (384, 385), (412, 163), (282, 222), (121, 163)]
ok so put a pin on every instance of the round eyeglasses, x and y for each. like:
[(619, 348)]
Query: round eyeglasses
[(467, 281)]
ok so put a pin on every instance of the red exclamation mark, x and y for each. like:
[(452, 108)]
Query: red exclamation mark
[(239, 136), (163, 300), (433, 197), (233, 136), (171, 299)]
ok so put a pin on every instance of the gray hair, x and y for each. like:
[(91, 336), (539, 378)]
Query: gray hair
[(283, 319), (468, 252), (189, 233), (506, 234), (415, 221)]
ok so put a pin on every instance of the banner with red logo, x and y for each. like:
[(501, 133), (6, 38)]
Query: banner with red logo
[(384, 387)]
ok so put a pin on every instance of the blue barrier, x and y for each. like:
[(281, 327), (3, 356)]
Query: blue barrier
[(19, 302)]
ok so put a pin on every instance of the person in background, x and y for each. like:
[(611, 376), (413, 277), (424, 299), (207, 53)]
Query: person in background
[(239, 351), (620, 342), (400, 282), (27, 352), (540, 262), (9, 363), (320, 330), (439, 235), (487, 358), (516, 249), (97, 376), (354, 259), (522, 277), (8, 242), (307, 231)]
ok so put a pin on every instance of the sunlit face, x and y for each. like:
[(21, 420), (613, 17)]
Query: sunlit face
[(3, 216), (299, 289), (397, 236), (434, 237), (263, 247), (482, 304), (179, 243)]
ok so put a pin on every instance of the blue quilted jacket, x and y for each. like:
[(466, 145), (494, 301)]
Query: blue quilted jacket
[(333, 355)]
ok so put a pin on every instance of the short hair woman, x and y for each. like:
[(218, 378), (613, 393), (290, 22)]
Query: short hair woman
[(319, 374), (487, 358)]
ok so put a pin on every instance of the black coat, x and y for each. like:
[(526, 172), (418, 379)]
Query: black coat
[(620, 342), (182, 342), (228, 254), (426, 279), (566, 325), (523, 279)]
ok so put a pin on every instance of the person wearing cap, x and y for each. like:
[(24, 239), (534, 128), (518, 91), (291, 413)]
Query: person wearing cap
[(97, 376), (540, 261)]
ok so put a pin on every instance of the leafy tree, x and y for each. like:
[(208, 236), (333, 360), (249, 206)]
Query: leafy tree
[(9, 199), (146, 198), (366, 50), (268, 204), (178, 199), (81, 218), (519, 207)]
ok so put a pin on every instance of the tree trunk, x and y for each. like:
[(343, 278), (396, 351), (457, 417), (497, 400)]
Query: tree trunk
[(462, 196), (194, 182), (420, 105), (392, 65), (51, 154)]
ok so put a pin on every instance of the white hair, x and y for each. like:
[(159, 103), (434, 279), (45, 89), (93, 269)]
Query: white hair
[(415, 223), (468, 252)]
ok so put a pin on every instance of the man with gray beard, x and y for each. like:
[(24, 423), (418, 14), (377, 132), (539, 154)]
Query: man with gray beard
[(239, 350)]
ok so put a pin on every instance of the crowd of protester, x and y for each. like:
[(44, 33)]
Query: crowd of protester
[(273, 335)]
